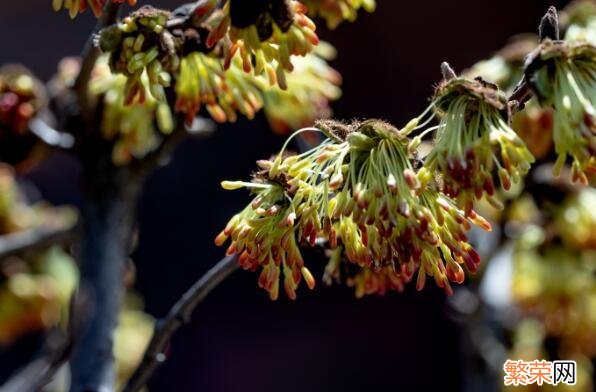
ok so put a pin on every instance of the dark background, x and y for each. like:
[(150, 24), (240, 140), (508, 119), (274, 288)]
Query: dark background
[(327, 339)]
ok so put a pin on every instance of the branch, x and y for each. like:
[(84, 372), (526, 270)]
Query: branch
[(39, 237), (178, 316), (548, 29), (90, 55)]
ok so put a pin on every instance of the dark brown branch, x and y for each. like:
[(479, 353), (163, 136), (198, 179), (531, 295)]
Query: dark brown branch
[(548, 29), (37, 238), (549, 25), (178, 316), (90, 55)]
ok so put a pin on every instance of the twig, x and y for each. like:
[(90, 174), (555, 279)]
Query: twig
[(90, 55), (548, 29), (178, 315), (549, 25), (39, 237)]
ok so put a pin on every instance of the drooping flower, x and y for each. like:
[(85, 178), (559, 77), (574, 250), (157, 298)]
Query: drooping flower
[(575, 220), (135, 128), (264, 235), (76, 6), (472, 139), (563, 76), (202, 81), (358, 190), (140, 45), (264, 35), (311, 86), (336, 11)]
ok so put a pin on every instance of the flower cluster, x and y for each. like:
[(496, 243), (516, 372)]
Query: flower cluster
[(311, 86), (76, 6), (264, 35), (357, 190), (202, 81), (264, 234), (563, 76), (336, 11), (554, 271), (473, 138), (134, 128), (138, 46)]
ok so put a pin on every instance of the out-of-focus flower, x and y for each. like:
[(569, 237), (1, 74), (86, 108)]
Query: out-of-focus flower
[(472, 139), (76, 6), (576, 220), (556, 285), (34, 293), (22, 97), (311, 86), (563, 76), (134, 128), (134, 331), (34, 290), (358, 190), (202, 81), (578, 20), (336, 11), (264, 35), (15, 214), (140, 45)]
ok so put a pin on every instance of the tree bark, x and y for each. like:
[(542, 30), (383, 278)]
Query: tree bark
[(108, 214)]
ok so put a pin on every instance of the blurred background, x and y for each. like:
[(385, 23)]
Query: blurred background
[(238, 339)]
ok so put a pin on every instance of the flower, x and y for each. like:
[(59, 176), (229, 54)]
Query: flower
[(134, 127), (76, 6), (270, 31), (311, 86), (264, 235), (336, 11), (472, 138), (563, 76), (140, 45), (575, 220), (202, 81), (359, 192)]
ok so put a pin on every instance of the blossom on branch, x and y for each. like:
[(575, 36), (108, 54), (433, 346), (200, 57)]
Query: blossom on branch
[(271, 31), (140, 45), (472, 140), (358, 191)]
